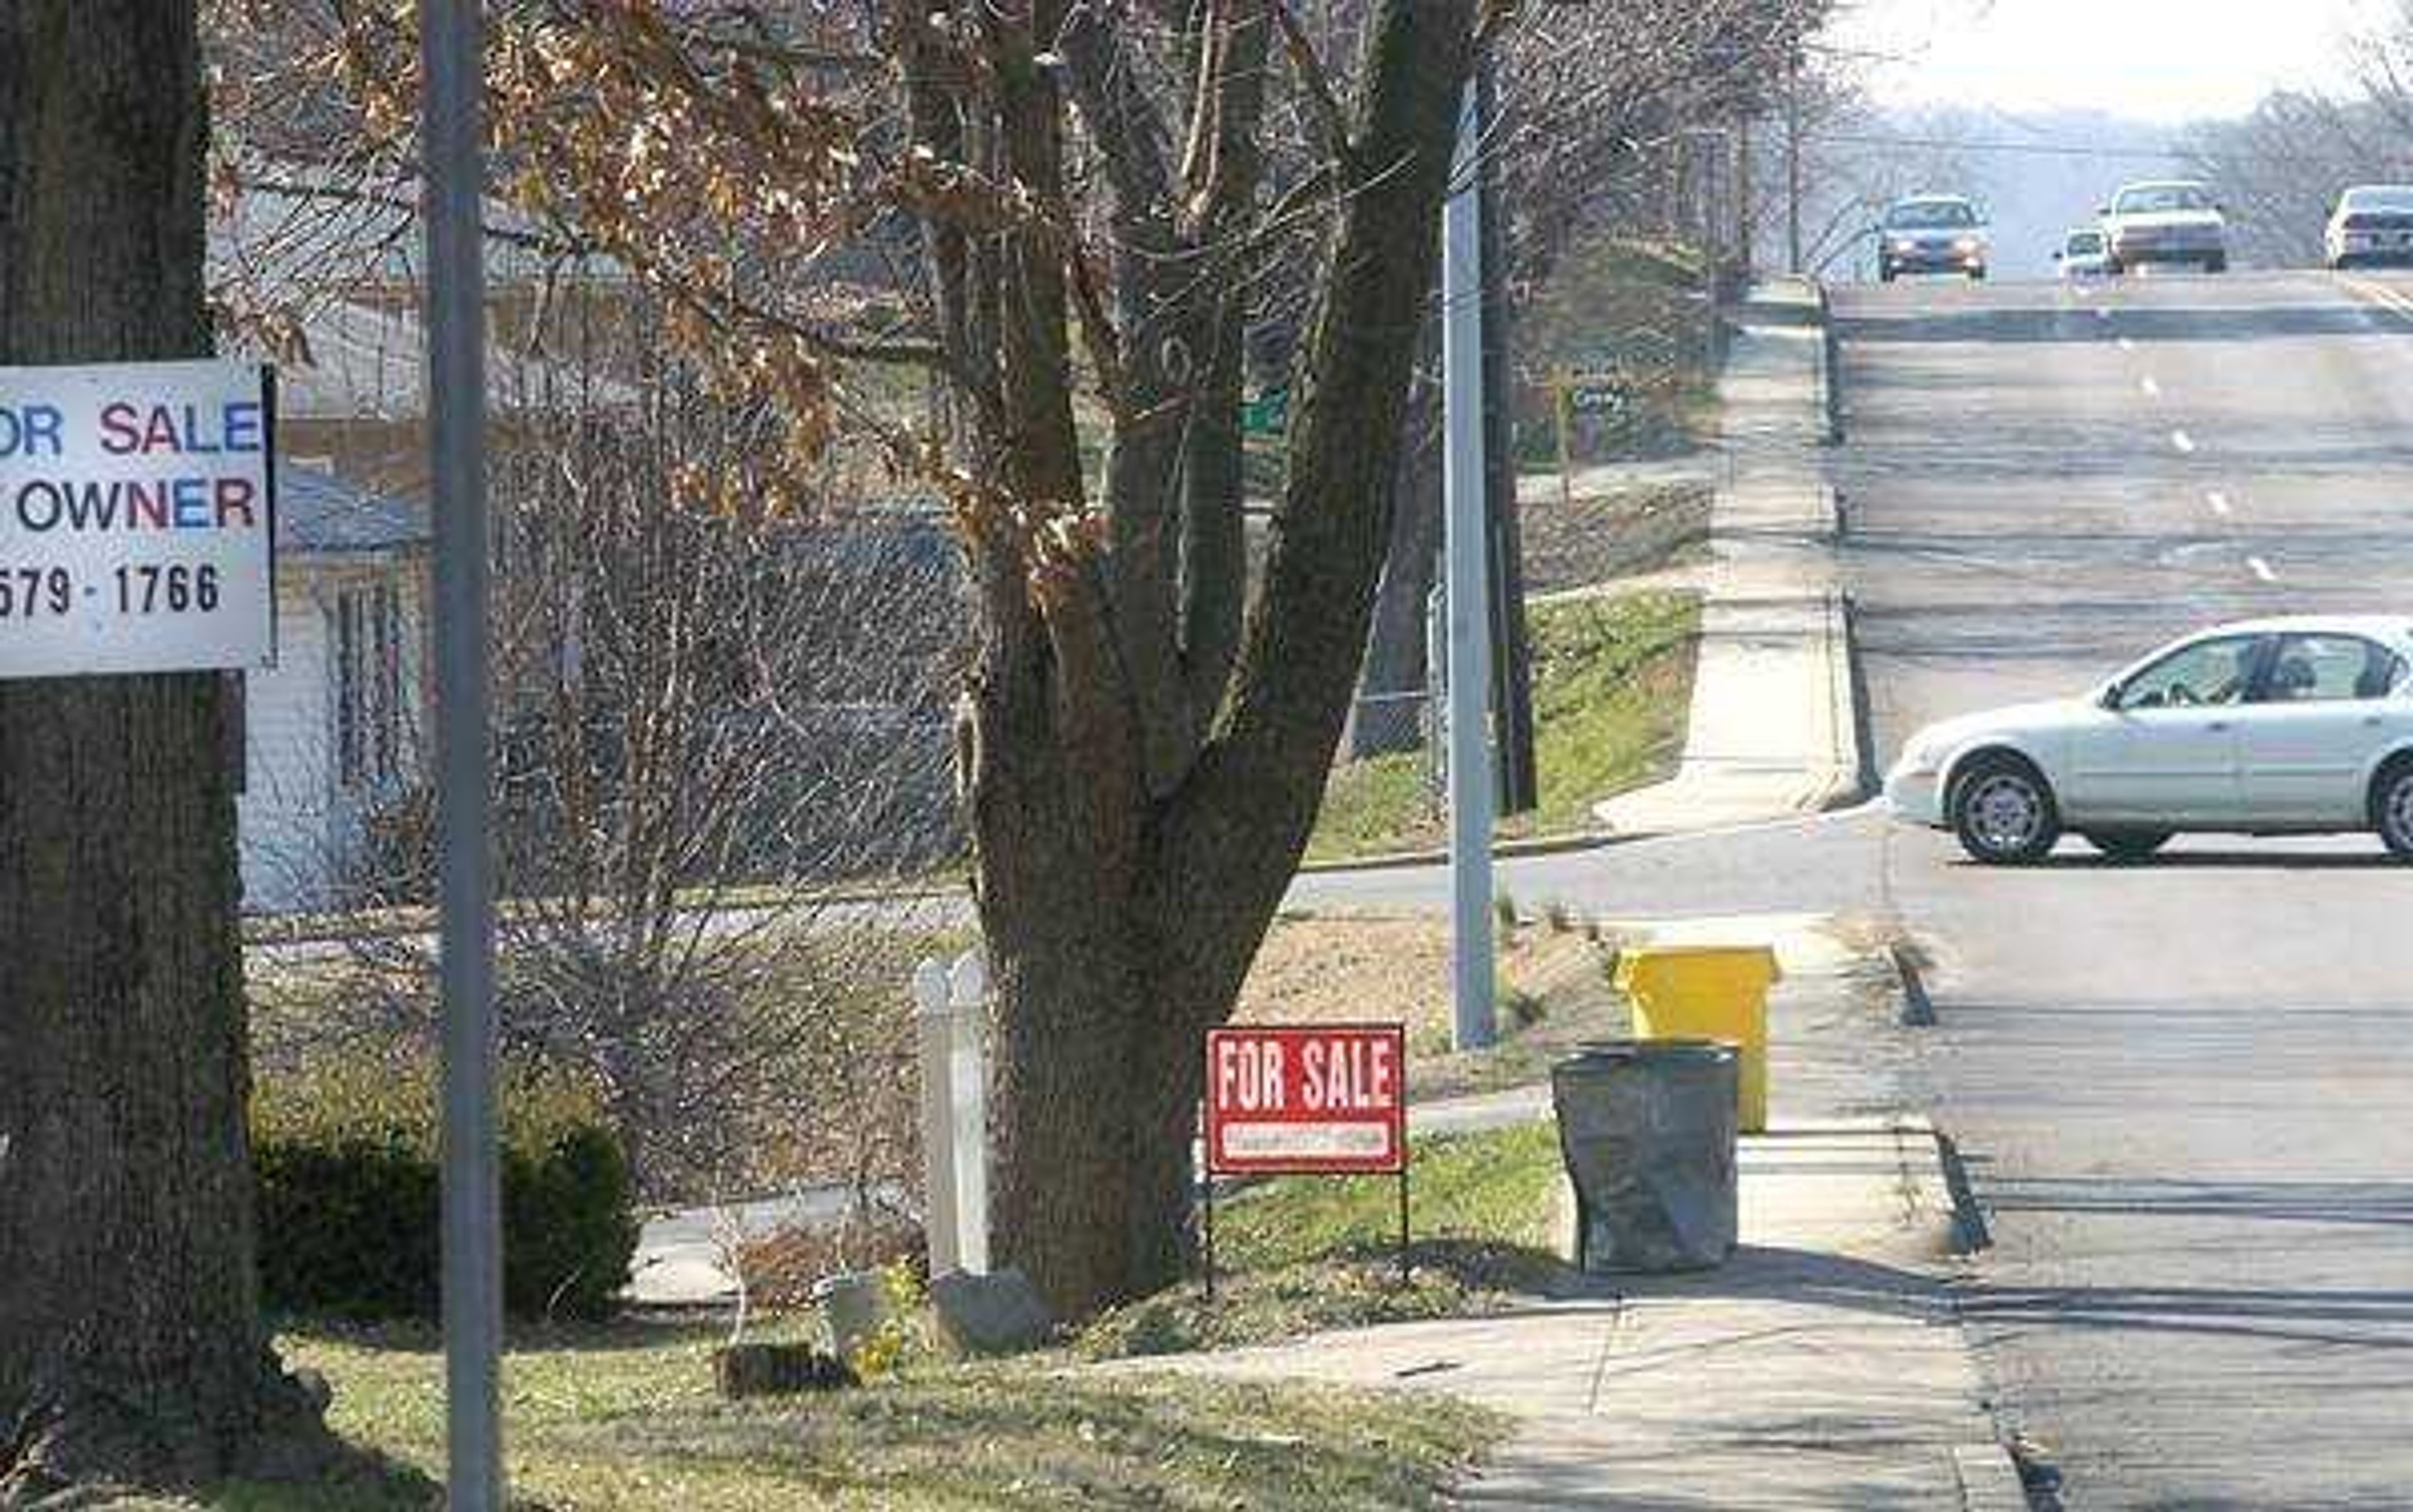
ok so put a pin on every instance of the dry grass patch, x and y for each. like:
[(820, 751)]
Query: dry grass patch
[(1553, 990)]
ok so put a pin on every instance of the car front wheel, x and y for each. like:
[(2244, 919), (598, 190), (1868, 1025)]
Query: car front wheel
[(2128, 844), (2003, 812), (2391, 807)]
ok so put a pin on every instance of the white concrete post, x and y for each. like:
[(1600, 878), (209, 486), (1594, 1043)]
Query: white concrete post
[(951, 1010), (968, 1086), (936, 1024)]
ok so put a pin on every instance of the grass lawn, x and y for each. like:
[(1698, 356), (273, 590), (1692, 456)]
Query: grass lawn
[(1612, 690), (1631, 306), (1298, 1255), (627, 1418)]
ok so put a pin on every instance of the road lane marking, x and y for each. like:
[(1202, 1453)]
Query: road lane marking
[(2151, 389), (2185, 442), (2387, 299), (2218, 500), (2261, 569)]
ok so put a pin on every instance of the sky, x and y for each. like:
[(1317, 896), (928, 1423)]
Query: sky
[(2152, 60)]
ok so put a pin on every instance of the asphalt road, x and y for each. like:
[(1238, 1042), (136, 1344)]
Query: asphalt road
[(2181, 1089)]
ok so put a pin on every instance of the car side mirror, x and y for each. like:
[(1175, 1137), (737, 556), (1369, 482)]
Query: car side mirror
[(2056, 257), (2109, 698), (2103, 210)]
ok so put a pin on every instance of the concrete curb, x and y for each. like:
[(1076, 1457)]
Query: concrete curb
[(1844, 782), (1990, 1479), (1503, 851), (1830, 366), (1929, 1210), (285, 932)]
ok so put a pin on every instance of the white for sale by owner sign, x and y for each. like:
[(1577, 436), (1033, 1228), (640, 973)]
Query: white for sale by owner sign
[(138, 518)]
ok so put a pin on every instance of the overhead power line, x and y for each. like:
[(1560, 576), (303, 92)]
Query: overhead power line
[(2032, 149), (2211, 152)]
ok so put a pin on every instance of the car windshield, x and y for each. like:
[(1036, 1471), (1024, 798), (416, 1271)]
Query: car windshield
[(1930, 214), (2389, 198), (2082, 244), (2147, 198), (2208, 671)]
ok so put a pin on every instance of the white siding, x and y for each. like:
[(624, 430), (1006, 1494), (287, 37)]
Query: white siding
[(298, 824)]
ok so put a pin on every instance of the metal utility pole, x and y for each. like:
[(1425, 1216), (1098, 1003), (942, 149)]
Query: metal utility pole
[(1464, 542), (452, 48), (1512, 672), (1745, 253), (1708, 153), (1793, 164)]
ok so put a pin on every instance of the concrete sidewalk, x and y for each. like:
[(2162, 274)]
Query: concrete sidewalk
[(1774, 728), (1824, 1366)]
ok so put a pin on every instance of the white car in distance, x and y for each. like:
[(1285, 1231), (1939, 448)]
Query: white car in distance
[(2372, 223), (2084, 254), (2166, 220), (2298, 726)]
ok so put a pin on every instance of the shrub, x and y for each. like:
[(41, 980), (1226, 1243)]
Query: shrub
[(349, 1183)]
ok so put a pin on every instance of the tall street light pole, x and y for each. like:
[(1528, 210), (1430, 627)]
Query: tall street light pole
[(1793, 164), (452, 51), (1471, 795)]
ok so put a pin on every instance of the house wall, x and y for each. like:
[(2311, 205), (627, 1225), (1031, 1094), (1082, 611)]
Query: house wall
[(299, 825)]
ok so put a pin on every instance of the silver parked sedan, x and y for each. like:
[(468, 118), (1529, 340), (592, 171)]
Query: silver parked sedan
[(2301, 726)]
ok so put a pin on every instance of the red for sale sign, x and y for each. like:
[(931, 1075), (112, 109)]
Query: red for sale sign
[(1323, 1099)]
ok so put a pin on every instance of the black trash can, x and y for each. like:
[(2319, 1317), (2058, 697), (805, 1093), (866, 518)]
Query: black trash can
[(1647, 1129)]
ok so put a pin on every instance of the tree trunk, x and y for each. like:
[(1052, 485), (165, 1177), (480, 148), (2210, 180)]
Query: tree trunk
[(1122, 910), (1395, 654), (131, 1344)]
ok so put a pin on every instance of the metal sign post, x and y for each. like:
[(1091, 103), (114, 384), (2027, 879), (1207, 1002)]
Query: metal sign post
[(451, 52)]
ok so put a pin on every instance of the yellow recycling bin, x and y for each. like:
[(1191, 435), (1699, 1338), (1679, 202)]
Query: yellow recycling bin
[(1706, 992)]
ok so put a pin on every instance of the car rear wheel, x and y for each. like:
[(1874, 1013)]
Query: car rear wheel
[(2391, 807), (2128, 844), (2004, 813)]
